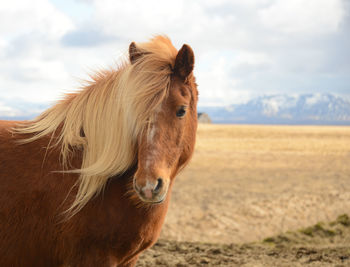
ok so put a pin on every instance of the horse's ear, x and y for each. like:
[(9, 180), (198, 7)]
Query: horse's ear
[(184, 62), (134, 52)]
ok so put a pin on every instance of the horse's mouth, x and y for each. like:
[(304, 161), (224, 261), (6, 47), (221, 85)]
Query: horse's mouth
[(155, 201)]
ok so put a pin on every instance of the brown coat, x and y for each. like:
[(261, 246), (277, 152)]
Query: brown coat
[(32, 233)]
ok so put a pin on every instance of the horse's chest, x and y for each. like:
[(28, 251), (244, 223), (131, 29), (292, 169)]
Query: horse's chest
[(120, 228), (145, 227), (137, 234)]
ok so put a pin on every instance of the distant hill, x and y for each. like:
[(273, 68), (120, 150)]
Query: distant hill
[(314, 109)]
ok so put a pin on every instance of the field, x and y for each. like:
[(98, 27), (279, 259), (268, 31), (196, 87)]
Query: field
[(250, 183)]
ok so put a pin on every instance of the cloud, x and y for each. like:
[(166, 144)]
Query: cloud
[(242, 48), (310, 17), (267, 43), (30, 32), (7, 111), (13, 108), (22, 17), (216, 84), (86, 37)]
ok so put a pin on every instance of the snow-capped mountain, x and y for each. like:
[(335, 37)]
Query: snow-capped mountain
[(285, 109)]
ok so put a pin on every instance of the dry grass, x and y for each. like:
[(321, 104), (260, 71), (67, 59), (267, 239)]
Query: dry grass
[(249, 182)]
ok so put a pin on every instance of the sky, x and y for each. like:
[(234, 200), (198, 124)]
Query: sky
[(243, 48)]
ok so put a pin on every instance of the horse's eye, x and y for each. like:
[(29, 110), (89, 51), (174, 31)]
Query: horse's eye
[(181, 112)]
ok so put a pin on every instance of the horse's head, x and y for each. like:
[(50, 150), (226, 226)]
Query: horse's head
[(167, 143)]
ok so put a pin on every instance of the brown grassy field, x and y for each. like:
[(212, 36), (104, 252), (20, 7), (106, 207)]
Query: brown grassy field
[(246, 183)]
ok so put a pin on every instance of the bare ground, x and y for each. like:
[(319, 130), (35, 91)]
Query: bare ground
[(319, 245)]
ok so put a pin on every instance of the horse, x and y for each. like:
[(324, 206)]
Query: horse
[(88, 181)]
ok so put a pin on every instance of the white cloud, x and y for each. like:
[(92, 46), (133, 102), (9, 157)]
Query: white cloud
[(242, 47), (30, 64), (26, 17), (138, 20), (252, 58), (3, 45), (35, 69), (16, 108), (303, 17), (7, 111), (216, 84)]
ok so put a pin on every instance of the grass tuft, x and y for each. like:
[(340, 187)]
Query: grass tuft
[(343, 219)]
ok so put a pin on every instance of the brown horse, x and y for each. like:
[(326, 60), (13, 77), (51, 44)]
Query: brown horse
[(88, 182)]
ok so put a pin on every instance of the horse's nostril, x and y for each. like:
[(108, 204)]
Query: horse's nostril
[(158, 186)]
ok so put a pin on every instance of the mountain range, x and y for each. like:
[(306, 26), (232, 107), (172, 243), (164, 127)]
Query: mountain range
[(304, 109)]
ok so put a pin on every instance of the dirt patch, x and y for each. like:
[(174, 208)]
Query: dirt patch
[(319, 245), (181, 254)]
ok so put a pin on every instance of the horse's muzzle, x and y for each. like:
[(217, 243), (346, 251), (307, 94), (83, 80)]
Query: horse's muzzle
[(153, 191)]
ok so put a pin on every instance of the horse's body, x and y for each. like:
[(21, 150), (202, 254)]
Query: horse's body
[(111, 229), (31, 198)]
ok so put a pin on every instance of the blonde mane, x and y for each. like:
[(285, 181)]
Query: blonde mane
[(111, 112)]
